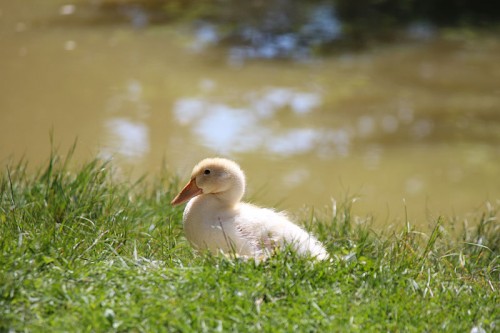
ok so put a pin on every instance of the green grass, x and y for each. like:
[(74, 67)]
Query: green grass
[(84, 252)]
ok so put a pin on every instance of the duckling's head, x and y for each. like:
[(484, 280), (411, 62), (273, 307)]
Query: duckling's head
[(220, 177)]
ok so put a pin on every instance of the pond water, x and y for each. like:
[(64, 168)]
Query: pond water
[(407, 128)]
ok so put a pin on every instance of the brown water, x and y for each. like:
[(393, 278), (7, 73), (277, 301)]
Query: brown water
[(411, 126)]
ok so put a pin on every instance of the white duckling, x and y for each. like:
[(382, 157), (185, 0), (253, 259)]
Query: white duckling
[(217, 220)]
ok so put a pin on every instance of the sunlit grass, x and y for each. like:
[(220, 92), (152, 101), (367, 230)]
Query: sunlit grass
[(82, 251)]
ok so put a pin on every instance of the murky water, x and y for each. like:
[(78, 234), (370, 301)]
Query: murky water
[(411, 126)]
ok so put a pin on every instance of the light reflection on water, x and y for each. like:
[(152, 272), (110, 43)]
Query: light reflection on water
[(321, 26), (251, 126), (128, 137), (291, 33)]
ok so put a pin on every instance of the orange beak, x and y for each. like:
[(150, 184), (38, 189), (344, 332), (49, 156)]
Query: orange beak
[(189, 191)]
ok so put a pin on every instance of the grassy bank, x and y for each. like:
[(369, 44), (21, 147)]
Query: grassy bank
[(83, 252)]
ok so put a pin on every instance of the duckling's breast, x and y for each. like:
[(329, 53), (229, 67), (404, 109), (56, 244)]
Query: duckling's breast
[(208, 224)]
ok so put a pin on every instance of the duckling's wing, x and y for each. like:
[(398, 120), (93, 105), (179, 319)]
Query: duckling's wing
[(267, 230)]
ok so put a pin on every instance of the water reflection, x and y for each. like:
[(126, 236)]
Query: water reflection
[(293, 141), (274, 99), (263, 41), (127, 133), (251, 124), (421, 30), (136, 14), (205, 35), (127, 138), (68, 9), (220, 127), (227, 129), (274, 30)]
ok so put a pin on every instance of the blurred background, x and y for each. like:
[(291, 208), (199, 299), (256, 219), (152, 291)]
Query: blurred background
[(394, 103)]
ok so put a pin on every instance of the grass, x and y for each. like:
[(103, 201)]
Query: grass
[(84, 252)]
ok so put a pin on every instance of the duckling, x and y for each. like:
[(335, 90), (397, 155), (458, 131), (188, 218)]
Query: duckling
[(216, 219)]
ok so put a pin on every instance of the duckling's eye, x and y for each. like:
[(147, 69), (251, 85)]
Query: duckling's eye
[(206, 172)]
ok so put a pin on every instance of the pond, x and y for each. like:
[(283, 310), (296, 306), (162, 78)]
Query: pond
[(410, 127)]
